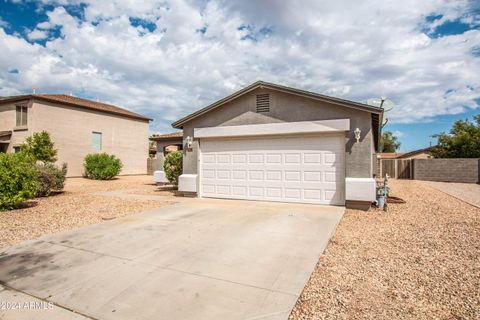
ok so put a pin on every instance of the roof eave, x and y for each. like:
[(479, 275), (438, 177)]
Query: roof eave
[(36, 97), (139, 117)]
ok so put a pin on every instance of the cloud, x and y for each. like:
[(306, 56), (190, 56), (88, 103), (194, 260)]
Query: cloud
[(398, 133), (37, 35), (152, 58), (3, 23)]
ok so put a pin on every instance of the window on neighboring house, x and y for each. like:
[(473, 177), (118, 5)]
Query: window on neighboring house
[(97, 141), (22, 115), (16, 149)]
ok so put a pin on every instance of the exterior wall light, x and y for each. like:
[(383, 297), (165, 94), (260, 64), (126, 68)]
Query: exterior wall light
[(357, 134), (189, 141)]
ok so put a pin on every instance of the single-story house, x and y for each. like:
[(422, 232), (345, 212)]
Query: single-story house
[(77, 127), (389, 155), (166, 143), (276, 143), (424, 153)]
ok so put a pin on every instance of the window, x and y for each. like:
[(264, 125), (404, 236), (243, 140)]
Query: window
[(22, 115), (263, 103), (16, 149), (97, 141)]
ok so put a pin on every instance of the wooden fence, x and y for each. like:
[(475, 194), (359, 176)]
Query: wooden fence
[(153, 165), (396, 168)]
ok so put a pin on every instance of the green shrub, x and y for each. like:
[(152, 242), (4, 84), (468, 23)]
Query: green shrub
[(18, 180), (50, 179), (40, 147), (173, 166), (101, 166)]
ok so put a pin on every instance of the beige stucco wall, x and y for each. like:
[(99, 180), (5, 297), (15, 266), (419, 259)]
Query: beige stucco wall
[(71, 130)]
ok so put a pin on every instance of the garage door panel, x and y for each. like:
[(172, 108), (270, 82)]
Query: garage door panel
[(297, 169), (239, 158)]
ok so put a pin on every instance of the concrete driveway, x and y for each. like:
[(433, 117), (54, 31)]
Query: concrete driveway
[(467, 192), (198, 259)]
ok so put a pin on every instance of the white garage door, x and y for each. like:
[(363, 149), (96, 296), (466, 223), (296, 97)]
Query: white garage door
[(307, 169)]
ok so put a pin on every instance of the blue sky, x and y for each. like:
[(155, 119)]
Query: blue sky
[(166, 59)]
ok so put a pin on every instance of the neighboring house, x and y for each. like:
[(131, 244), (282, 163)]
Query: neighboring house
[(77, 127), (166, 143), (389, 155), (276, 143), (415, 154)]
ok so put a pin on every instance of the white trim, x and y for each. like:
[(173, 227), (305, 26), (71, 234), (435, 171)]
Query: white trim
[(199, 169), (335, 125), (360, 189)]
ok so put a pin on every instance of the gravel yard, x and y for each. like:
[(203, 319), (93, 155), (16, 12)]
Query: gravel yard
[(421, 260), (75, 207)]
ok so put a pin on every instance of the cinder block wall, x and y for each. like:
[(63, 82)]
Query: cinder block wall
[(448, 170)]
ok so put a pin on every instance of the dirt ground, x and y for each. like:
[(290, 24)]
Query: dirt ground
[(76, 207), (421, 260)]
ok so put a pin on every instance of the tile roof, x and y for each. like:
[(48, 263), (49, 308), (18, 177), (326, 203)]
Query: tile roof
[(415, 152), (168, 136), (79, 102), (389, 155)]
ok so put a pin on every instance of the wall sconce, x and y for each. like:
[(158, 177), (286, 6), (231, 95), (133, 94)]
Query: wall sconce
[(357, 134), (189, 141)]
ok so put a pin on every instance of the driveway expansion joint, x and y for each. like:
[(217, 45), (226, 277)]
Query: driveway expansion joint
[(174, 269)]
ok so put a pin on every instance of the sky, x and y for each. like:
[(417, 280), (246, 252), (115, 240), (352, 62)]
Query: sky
[(166, 59)]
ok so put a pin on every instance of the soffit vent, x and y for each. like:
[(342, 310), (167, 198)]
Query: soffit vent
[(263, 103)]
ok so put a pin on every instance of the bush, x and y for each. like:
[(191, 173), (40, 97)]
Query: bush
[(40, 147), (18, 180), (101, 166), (173, 166), (50, 179)]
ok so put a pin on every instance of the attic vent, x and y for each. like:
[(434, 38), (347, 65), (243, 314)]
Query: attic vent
[(263, 103)]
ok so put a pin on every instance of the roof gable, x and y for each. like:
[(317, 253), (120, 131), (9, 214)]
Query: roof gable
[(266, 85)]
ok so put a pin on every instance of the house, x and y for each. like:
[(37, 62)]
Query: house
[(275, 143), (166, 143), (424, 153), (415, 154), (77, 127), (389, 155)]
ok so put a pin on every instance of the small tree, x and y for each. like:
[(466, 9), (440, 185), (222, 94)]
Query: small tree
[(463, 140), (101, 166), (40, 147), (389, 142), (173, 166), (18, 180)]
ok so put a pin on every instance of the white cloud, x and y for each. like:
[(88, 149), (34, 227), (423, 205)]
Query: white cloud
[(341, 48), (37, 35), (3, 23), (398, 133)]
